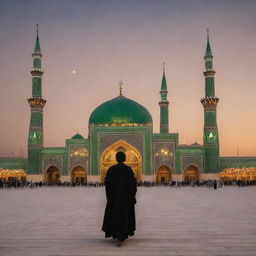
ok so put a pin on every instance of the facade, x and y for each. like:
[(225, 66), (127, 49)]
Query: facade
[(121, 124)]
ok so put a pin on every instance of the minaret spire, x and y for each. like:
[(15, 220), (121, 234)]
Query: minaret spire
[(120, 88), (163, 84), (164, 104), (208, 51), (36, 102), (37, 48), (210, 102)]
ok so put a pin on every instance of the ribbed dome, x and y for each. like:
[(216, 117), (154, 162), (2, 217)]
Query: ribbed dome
[(120, 111)]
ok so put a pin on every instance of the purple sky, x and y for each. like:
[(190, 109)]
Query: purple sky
[(109, 41)]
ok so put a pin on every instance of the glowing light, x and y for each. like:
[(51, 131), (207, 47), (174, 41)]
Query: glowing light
[(164, 152), (12, 173), (231, 174), (79, 152), (73, 72)]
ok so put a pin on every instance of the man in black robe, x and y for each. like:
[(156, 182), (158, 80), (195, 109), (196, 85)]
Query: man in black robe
[(119, 218)]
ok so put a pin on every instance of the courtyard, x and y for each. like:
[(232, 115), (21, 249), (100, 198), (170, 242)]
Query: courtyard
[(65, 221)]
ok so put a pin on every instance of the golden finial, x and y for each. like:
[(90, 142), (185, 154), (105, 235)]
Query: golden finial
[(207, 33), (120, 88), (164, 67)]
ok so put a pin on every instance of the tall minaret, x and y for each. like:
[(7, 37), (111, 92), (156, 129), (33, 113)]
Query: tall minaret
[(209, 102), (164, 115), (36, 102)]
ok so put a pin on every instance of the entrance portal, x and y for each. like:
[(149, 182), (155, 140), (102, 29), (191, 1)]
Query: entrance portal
[(52, 175), (78, 175), (191, 173), (163, 174), (133, 158)]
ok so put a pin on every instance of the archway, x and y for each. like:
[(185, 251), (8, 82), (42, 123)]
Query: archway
[(52, 175), (78, 175), (133, 158), (191, 173), (163, 174)]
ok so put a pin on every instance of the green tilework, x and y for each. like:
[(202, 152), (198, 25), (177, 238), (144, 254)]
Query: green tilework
[(36, 119), (164, 121), (37, 87), (212, 162), (37, 63), (209, 86), (208, 65), (34, 161), (210, 118)]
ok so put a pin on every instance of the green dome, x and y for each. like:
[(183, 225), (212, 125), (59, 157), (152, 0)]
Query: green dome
[(120, 111)]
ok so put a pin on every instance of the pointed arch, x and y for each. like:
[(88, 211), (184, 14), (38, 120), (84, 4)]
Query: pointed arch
[(163, 174), (78, 175), (191, 173), (133, 158), (52, 175)]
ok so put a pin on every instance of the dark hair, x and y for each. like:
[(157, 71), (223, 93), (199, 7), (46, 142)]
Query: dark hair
[(120, 157)]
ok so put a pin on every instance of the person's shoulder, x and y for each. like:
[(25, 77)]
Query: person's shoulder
[(113, 168), (128, 168)]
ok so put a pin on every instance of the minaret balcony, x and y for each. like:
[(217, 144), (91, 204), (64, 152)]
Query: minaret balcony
[(210, 102), (36, 103), (209, 72), (164, 103), (37, 72), (208, 58), (37, 54)]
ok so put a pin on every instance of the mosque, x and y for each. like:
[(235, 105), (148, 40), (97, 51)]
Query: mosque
[(121, 124)]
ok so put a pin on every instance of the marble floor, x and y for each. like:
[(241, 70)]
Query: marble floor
[(56, 221)]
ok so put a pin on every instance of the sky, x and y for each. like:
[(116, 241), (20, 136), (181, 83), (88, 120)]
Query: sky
[(108, 41)]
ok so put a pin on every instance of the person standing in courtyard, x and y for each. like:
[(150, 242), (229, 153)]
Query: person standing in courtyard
[(121, 188), (215, 184)]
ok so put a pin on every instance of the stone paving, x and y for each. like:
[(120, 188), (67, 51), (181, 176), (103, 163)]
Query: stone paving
[(58, 221)]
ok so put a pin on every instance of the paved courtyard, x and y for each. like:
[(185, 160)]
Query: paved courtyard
[(170, 221)]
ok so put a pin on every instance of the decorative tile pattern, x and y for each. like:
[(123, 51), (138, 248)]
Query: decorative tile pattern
[(53, 161), (163, 154), (136, 140), (196, 160)]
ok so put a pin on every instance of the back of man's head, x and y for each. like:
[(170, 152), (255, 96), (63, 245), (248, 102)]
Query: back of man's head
[(120, 157)]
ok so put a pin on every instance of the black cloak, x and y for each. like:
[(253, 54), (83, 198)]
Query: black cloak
[(119, 218)]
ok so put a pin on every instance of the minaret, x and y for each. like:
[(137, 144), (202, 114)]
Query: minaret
[(36, 102), (209, 102), (164, 115)]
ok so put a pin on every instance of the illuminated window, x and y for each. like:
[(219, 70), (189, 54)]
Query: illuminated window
[(79, 152)]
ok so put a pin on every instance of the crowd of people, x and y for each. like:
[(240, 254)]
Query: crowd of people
[(34, 184), (206, 183)]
